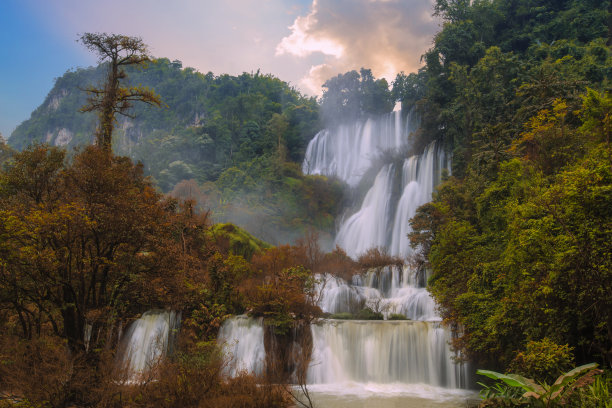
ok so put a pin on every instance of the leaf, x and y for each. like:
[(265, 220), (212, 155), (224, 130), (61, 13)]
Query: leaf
[(511, 380), (529, 382), (559, 386)]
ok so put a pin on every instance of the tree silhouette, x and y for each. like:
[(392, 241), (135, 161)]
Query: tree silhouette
[(111, 97)]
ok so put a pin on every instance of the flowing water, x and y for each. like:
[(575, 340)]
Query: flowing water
[(381, 363), (146, 341), (348, 150), (243, 341)]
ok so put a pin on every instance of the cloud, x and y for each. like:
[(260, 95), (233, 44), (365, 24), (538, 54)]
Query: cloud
[(388, 36)]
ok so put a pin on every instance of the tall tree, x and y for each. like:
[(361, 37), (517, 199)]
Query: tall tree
[(111, 97)]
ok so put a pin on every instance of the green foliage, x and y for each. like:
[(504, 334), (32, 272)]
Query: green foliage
[(342, 316), (396, 316), (519, 237), (368, 314), (545, 395), (238, 241), (5, 151), (353, 95), (275, 201), (542, 360)]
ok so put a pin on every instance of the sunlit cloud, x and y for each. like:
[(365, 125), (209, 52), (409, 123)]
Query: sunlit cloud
[(387, 36)]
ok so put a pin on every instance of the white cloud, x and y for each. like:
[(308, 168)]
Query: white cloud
[(387, 36)]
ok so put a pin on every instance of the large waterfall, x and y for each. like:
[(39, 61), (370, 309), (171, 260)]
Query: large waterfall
[(387, 352), (384, 352), (383, 218), (410, 348)]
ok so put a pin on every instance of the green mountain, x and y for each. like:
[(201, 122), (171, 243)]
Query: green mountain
[(234, 141), (209, 123)]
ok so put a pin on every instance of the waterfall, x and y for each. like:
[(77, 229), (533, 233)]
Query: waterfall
[(415, 350), (146, 342), (382, 220), (382, 352), (242, 339), (347, 151), (404, 351), (390, 290), (368, 227)]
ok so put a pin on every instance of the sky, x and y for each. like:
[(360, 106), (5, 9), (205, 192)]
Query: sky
[(303, 42)]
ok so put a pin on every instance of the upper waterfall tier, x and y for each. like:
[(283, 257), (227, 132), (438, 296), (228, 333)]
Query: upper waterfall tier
[(347, 151)]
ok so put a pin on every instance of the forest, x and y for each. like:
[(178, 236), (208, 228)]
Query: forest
[(201, 206)]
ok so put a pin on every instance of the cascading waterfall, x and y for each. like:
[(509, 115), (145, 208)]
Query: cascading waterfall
[(347, 151), (390, 290), (384, 353), (242, 339), (146, 341), (404, 351), (384, 222), (415, 351)]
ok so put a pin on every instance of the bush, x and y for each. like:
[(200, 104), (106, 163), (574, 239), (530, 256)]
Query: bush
[(342, 316), (368, 314), (397, 316), (543, 360), (376, 258)]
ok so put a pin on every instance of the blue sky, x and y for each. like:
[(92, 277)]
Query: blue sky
[(304, 42)]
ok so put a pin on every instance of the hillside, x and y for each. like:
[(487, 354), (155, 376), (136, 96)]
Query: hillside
[(233, 140)]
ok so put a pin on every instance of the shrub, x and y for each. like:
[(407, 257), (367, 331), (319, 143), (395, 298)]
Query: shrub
[(368, 314), (397, 316), (377, 257), (342, 316), (543, 360)]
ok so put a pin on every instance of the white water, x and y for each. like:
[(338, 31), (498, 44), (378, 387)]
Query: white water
[(347, 151), (242, 339), (389, 290), (382, 352), (383, 220), (146, 342)]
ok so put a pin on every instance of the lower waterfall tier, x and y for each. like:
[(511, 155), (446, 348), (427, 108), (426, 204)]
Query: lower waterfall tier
[(358, 351), (384, 352), (146, 341), (243, 341)]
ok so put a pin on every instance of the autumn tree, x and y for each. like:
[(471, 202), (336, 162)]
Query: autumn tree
[(85, 245), (118, 51)]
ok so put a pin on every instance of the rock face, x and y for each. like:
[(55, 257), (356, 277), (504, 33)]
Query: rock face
[(64, 136), (61, 137), (55, 99)]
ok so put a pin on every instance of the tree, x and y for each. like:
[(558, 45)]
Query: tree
[(84, 245), (111, 98)]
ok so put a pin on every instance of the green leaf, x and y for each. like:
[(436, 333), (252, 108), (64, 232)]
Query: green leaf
[(511, 380)]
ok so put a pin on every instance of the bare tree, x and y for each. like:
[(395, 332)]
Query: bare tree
[(111, 97)]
